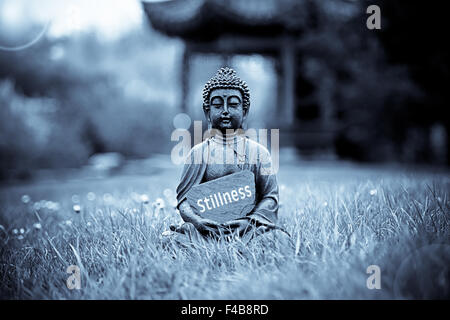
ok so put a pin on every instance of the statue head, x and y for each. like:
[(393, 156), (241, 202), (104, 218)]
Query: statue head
[(226, 100)]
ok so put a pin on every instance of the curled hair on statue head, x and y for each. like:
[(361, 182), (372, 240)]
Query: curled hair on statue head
[(226, 78)]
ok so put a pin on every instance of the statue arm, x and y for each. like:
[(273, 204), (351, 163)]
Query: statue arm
[(187, 214), (192, 174), (266, 209), (201, 224)]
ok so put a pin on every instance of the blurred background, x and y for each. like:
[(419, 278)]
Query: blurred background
[(93, 85)]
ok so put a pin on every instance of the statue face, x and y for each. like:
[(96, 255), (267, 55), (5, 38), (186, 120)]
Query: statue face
[(226, 110)]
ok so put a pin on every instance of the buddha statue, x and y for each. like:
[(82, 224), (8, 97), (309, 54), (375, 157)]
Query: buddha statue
[(226, 105)]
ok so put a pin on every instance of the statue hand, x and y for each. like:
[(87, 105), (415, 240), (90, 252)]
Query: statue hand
[(239, 227), (204, 226), (207, 226)]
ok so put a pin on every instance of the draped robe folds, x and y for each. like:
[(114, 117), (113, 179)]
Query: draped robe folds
[(222, 155)]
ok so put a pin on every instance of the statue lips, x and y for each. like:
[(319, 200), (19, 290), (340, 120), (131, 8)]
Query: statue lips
[(225, 120)]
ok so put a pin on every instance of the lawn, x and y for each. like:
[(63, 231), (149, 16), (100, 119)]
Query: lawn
[(342, 218)]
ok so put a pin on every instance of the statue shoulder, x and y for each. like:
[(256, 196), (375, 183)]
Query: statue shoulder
[(199, 147), (256, 147), (259, 154), (196, 153)]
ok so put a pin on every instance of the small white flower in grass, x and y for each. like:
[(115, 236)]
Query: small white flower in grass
[(168, 193), (36, 206), (89, 224), (174, 203), (15, 231), (107, 197), (373, 192), (135, 196), (56, 206), (325, 204), (37, 226), (90, 196), (134, 211), (75, 198), (144, 198), (68, 222), (167, 233), (25, 198), (22, 230), (159, 203), (50, 205), (42, 204), (76, 208)]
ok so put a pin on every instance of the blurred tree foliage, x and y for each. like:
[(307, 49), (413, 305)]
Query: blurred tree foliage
[(65, 99), (413, 36), (387, 86)]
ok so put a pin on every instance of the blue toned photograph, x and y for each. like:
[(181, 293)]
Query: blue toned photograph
[(224, 150)]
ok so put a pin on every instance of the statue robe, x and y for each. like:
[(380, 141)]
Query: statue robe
[(219, 156)]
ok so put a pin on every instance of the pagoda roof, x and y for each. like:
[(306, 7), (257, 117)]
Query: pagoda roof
[(207, 19)]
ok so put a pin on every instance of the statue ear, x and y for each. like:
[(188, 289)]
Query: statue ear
[(206, 109), (244, 119), (245, 113)]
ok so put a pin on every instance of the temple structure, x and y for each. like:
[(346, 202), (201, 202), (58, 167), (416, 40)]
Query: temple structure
[(267, 27)]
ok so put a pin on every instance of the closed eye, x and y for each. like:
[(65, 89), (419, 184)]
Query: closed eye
[(234, 102)]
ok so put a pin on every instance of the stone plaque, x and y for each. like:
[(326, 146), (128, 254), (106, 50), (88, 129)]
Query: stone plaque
[(224, 199)]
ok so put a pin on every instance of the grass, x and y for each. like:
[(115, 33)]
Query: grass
[(342, 219)]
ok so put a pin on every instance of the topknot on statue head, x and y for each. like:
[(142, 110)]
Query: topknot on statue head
[(226, 78)]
